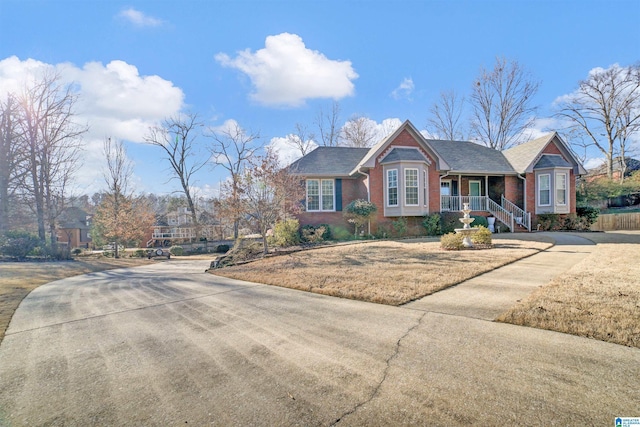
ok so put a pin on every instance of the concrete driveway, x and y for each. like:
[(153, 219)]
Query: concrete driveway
[(169, 345)]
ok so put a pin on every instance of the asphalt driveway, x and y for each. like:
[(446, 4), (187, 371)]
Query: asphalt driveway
[(167, 344)]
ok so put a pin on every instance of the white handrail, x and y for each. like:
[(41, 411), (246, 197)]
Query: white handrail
[(525, 217)]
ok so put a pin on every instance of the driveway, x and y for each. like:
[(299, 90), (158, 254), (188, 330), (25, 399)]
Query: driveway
[(168, 345)]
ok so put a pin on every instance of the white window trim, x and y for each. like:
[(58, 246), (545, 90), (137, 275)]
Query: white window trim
[(397, 187), (566, 192), (539, 189), (425, 187), (320, 195), (417, 187)]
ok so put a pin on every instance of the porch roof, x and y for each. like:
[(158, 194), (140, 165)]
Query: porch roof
[(469, 157)]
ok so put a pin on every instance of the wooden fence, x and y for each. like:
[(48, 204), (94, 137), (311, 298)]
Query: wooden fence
[(621, 221)]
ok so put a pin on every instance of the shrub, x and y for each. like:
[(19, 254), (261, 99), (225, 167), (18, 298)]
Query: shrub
[(482, 237), (222, 249), (140, 253), (449, 221), (549, 222), (400, 226), (431, 223), (285, 233), (313, 234), (341, 233), (383, 230), (451, 242), (76, 251), (479, 221), (359, 212), (588, 214), (177, 250), (18, 244)]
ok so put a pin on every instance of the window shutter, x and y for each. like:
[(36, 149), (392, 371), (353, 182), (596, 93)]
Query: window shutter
[(338, 194)]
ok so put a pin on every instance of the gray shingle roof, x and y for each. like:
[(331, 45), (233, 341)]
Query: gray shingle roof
[(521, 156), (464, 156), (329, 161), (551, 161), (399, 154)]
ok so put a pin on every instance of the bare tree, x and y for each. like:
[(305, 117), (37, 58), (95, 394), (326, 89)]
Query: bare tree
[(445, 114), (12, 159), (360, 132), (231, 148), (269, 193), (120, 218), (51, 138), (177, 137), (328, 123), (605, 112), (302, 139), (501, 102)]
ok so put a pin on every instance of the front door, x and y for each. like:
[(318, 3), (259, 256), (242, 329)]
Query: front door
[(475, 202), (445, 192)]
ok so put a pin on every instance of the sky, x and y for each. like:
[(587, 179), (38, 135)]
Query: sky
[(269, 65)]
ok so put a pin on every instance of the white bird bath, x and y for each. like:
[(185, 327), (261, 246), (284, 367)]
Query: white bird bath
[(466, 230)]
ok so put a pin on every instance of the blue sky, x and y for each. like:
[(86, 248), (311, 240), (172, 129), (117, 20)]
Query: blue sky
[(271, 64)]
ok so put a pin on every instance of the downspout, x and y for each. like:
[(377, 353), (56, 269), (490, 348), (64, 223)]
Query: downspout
[(368, 194)]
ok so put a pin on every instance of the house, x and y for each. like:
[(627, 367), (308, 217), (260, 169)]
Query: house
[(631, 164), (74, 228), (407, 175)]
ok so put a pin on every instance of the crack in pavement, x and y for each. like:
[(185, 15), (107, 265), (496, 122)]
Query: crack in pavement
[(384, 374)]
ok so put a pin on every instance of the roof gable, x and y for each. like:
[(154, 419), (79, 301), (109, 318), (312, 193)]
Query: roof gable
[(370, 159), (551, 161), (525, 156)]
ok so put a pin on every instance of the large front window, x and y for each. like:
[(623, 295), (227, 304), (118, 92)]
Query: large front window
[(320, 195), (392, 187), (544, 190), (561, 189), (411, 187)]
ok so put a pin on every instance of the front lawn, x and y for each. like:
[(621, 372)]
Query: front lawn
[(385, 272)]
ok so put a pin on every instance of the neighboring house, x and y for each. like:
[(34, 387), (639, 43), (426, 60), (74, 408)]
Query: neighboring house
[(74, 228), (601, 171), (407, 175), (180, 229)]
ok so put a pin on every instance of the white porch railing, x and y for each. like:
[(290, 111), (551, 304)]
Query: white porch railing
[(501, 214), (454, 203), (169, 233), (521, 217), (506, 212)]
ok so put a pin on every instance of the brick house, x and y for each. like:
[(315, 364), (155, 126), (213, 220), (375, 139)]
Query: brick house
[(74, 229), (407, 175)]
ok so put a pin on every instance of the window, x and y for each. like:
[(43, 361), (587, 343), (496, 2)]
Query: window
[(561, 189), (320, 195), (411, 187), (327, 195), (544, 190), (392, 187)]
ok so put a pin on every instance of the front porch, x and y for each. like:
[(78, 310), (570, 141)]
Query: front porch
[(506, 212)]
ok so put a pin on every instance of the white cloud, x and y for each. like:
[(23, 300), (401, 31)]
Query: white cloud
[(404, 90), (114, 101), (287, 73), (139, 19), (287, 152)]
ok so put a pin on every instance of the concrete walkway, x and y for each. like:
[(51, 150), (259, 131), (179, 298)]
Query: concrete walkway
[(490, 294)]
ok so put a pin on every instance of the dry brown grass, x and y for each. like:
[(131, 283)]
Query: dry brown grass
[(386, 272), (597, 298), (17, 279)]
